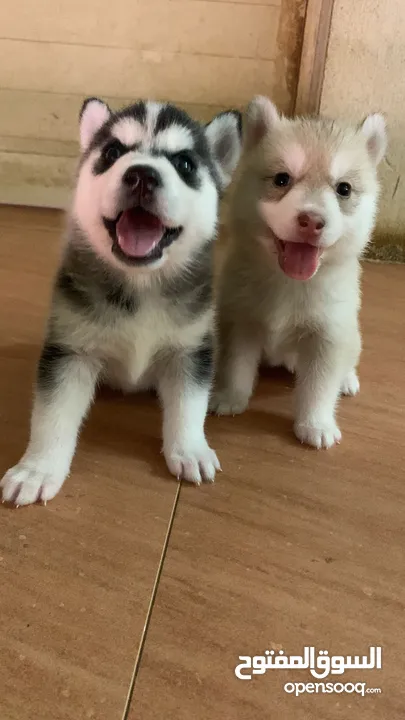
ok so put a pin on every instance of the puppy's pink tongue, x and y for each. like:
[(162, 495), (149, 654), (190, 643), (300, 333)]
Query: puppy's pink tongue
[(138, 231), (299, 260)]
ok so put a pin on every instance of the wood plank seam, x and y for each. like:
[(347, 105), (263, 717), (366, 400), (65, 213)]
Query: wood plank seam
[(138, 659)]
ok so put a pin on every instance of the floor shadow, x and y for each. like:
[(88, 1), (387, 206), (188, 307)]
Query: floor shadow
[(17, 373), (255, 422), (127, 425), (124, 425), (269, 411)]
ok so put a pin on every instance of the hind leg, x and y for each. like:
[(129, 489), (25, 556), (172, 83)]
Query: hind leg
[(350, 384), (290, 362), (287, 360), (238, 364)]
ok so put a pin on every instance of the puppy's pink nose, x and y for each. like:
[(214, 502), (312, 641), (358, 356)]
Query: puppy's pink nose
[(310, 224)]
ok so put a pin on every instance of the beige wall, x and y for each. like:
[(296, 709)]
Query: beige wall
[(202, 54), (365, 71)]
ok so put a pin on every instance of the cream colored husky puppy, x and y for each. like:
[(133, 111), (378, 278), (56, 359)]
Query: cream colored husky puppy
[(301, 214)]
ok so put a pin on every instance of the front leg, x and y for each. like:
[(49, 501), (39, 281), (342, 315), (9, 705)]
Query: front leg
[(322, 365), (184, 389), (65, 387)]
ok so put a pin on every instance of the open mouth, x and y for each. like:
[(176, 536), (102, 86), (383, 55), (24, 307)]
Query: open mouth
[(139, 237), (298, 260)]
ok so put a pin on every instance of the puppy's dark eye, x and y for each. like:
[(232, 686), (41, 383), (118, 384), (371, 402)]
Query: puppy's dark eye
[(344, 189), (282, 179), (113, 152), (184, 164)]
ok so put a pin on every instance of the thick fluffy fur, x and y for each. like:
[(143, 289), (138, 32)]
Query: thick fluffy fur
[(291, 200), (136, 319)]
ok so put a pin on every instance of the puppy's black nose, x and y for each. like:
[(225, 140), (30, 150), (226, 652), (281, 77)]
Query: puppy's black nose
[(143, 179)]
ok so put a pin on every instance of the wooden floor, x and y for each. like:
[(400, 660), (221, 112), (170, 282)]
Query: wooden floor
[(290, 548)]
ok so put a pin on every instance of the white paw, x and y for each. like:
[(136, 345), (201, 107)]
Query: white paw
[(25, 484), (319, 435), (227, 402), (196, 464), (350, 385)]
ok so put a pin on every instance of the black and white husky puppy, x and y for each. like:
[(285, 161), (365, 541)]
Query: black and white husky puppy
[(132, 303)]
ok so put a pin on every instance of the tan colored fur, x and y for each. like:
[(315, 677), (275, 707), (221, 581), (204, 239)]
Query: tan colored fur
[(310, 327)]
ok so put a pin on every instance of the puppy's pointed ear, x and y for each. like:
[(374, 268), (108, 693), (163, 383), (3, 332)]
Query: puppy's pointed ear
[(224, 135), (261, 116), (375, 130), (93, 115)]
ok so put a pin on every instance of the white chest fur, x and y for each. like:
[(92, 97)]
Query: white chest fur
[(328, 304), (128, 344)]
